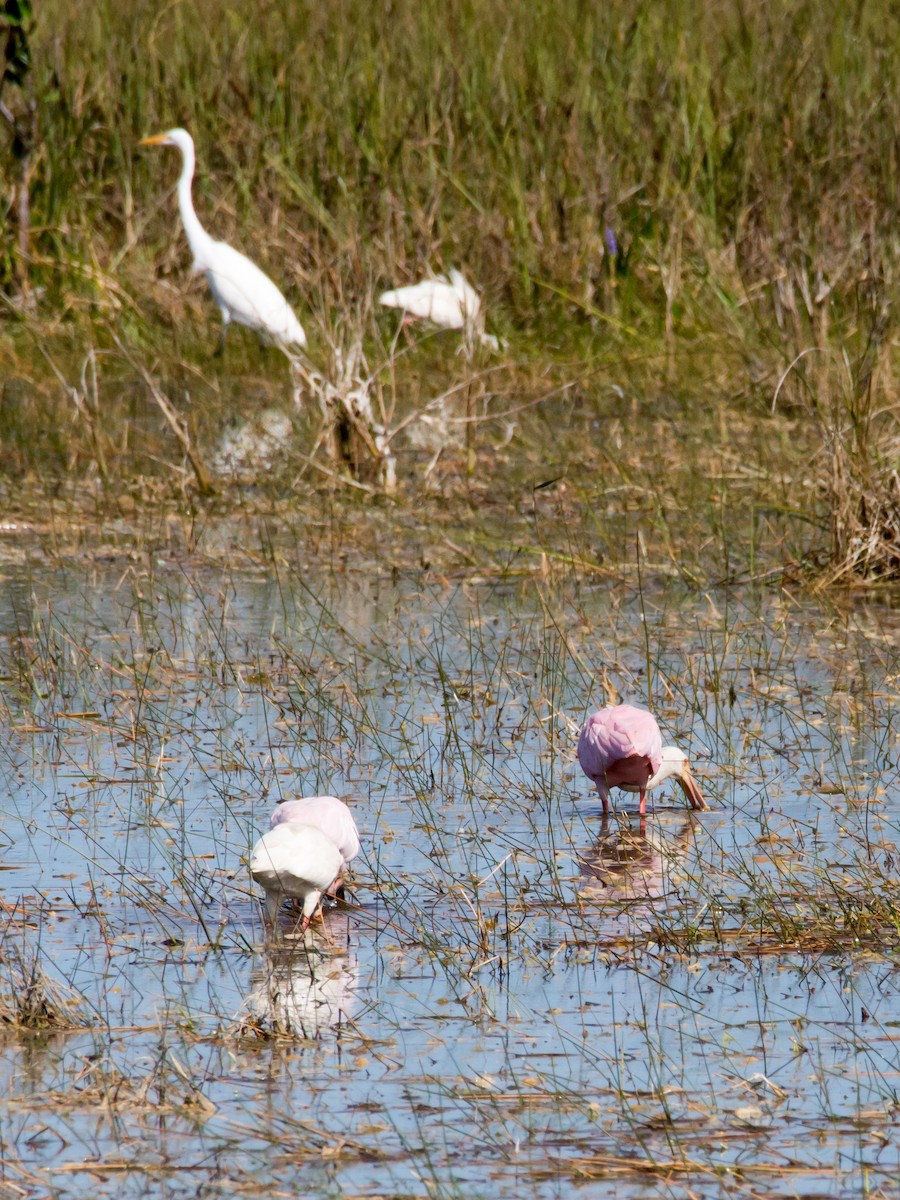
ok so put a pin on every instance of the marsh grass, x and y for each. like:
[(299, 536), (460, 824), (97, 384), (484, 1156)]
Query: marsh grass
[(32, 1001), (863, 488), (667, 214), (493, 1009), (505, 137)]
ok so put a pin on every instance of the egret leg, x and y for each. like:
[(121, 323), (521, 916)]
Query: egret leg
[(220, 348)]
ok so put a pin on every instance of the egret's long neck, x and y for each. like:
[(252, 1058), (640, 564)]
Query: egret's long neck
[(198, 238)]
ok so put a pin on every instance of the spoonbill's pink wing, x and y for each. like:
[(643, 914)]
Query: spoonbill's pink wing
[(612, 734), (326, 813)]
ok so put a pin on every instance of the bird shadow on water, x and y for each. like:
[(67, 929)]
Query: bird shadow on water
[(301, 988), (628, 869)]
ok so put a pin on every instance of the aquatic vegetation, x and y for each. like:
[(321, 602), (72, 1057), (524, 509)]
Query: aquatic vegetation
[(526, 990), (681, 292), (31, 1000)]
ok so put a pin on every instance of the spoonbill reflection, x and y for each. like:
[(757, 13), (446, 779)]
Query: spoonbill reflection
[(300, 994)]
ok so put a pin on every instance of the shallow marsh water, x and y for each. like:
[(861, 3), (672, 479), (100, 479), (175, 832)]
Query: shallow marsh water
[(533, 1001)]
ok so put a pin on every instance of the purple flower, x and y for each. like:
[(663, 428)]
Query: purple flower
[(609, 238)]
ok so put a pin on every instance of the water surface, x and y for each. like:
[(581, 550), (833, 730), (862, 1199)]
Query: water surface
[(532, 1000)]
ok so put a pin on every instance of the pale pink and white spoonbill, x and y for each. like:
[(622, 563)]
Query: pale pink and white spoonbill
[(297, 861), (448, 301), (309, 843), (621, 747), (330, 816), (244, 293)]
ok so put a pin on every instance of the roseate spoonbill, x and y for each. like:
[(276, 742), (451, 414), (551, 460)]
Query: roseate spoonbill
[(448, 301), (621, 747), (330, 816), (243, 292), (295, 860)]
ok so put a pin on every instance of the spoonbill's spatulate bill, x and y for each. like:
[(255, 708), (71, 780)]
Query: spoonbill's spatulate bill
[(621, 747), (298, 861), (243, 292)]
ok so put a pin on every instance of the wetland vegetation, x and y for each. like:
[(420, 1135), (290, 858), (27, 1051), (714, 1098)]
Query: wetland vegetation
[(682, 221), (674, 483)]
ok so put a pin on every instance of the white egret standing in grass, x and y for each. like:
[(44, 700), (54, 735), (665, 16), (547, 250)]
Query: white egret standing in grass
[(448, 301), (243, 292)]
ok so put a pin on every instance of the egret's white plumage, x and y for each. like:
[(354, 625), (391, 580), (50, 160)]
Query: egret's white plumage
[(295, 860), (448, 301), (243, 292), (326, 813)]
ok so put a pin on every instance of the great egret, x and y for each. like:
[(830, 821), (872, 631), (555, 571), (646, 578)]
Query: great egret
[(621, 747), (295, 860), (448, 301), (243, 292)]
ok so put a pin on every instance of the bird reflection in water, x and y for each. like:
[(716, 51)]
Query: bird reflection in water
[(301, 991), (628, 864)]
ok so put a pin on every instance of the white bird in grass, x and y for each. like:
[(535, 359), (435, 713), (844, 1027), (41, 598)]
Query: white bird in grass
[(327, 814), (243, 292), (448, 301), (298, 861), (309, 843)]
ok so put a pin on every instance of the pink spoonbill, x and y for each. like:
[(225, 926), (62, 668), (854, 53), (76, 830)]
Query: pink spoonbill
[(309, 842), (329, 815), (621, 747)]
